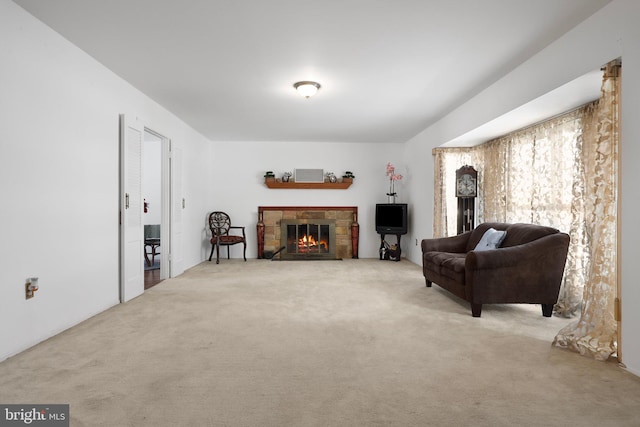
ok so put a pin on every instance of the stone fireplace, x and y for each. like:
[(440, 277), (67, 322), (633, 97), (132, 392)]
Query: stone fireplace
[(308, 232)]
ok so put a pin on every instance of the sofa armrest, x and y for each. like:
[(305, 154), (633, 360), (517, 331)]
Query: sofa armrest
[(455, 244), (530, 272)]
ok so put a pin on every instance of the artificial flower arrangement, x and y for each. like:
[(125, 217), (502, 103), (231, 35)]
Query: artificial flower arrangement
[(393, 177)]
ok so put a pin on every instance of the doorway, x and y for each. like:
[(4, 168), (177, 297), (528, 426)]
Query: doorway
[(152, 217), (133, 250)]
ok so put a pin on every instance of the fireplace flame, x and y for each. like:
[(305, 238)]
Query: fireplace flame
[(309, 243)]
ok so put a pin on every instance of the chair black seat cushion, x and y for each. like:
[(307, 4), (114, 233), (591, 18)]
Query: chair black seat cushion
[(228, 240)]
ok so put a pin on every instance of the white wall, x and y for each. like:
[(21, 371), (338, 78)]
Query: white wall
[(630, 152), (610, 33), (59, 118), (239, 186)]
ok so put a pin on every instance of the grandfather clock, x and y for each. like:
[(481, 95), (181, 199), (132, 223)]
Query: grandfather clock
[(466, 192)]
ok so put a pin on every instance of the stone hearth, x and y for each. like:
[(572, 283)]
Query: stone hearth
[(346, 229)]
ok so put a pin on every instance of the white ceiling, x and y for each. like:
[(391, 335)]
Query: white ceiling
[(565, 98), (388, 69)]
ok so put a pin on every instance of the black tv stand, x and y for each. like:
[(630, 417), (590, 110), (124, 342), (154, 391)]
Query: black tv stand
[(398, 251)]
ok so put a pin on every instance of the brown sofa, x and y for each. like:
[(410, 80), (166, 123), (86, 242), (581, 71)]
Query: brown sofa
[(527, 267)]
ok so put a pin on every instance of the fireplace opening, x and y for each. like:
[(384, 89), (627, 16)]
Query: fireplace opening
[(308, 239)]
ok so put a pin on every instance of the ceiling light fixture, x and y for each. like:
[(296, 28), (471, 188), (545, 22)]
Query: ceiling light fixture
[(307, 88)]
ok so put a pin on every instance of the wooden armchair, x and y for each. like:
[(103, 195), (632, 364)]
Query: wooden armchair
[(220, 225)]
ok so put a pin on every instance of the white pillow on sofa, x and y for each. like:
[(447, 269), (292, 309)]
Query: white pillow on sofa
[(491, 239)]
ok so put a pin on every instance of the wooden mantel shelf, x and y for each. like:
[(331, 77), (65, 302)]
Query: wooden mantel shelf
[(309, 185)]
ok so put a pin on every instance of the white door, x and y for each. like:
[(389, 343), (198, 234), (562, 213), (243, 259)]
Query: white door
[(131, 228), (165, 229), (178, 205)]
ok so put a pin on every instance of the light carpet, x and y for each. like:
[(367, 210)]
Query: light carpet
[(341, 343)]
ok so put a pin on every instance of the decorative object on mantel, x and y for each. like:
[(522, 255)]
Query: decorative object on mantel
[(393, 177), (331, 177), (269, 176), (348, 177), (309, 175), (286, 176)]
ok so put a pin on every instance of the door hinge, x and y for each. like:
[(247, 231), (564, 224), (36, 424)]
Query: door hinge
[(617, 313)]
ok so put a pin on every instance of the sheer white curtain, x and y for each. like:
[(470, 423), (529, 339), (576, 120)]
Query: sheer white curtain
[(595, 333)]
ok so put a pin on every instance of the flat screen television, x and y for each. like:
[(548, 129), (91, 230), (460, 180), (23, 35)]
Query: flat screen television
[(391, 218)]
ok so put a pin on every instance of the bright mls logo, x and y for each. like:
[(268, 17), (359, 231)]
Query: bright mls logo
[(34, 415)]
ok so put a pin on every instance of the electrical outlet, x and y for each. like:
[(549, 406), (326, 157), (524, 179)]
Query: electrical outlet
[(416, 242)]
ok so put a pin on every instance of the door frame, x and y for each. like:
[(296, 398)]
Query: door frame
[(165, 216), (128, 288)]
